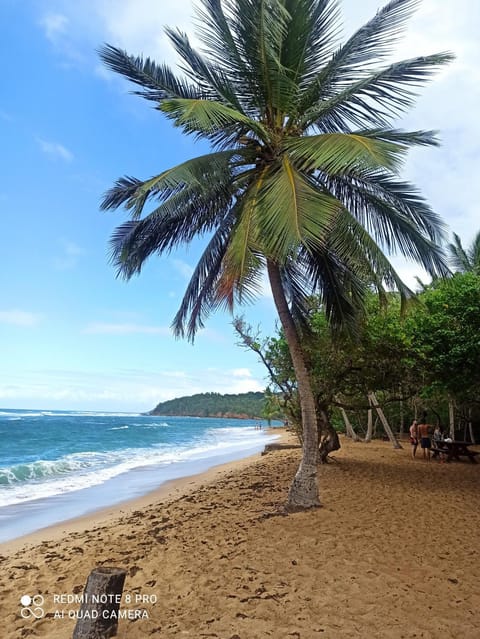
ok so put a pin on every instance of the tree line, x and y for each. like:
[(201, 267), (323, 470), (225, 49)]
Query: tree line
[(421, 359), (241, 405)]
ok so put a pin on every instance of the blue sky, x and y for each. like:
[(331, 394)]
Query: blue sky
[(72, 336)]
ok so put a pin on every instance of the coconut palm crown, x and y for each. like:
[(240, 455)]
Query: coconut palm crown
[(303, 175), (465, 261)]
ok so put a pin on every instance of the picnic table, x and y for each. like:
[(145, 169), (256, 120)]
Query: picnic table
[(454, 450)]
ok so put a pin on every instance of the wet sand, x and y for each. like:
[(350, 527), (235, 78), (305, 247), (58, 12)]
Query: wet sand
[(391, 553)]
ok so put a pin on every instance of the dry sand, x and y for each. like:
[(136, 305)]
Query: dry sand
[(392, 553)]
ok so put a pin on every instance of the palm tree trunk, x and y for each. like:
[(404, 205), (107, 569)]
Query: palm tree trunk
[(303, 492)]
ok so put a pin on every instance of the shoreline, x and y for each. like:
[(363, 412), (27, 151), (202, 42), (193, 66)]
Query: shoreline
[(168, 490)]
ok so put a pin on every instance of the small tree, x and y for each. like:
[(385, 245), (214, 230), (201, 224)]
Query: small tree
[(344, 369)]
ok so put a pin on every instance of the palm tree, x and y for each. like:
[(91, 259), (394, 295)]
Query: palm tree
[(303, 177), (465, 261)]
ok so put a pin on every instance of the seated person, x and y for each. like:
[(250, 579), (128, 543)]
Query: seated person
[(437, 435)]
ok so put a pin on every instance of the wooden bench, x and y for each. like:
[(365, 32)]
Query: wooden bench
[(439, 449), (455, 450)]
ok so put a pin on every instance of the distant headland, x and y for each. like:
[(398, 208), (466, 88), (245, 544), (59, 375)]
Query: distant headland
[(233, 406)]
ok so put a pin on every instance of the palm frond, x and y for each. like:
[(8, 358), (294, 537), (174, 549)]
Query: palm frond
[(184, 216), (334, 281), (211, 80), (122, 192), (201, 297), (401, 196), (194, 197), (157, 80), (474, 254), (404, 138), (206, 117), (292, 212), (215, 33), (259, 30), (374, 100), (199, 173), (339, 153), (370, 44), (377, 38), (352, 244), (217, 30), (311, 38), (459, 259), (367, 46), (241, 259), (397, 218)]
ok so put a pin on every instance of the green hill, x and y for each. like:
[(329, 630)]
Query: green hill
[(242, 405)]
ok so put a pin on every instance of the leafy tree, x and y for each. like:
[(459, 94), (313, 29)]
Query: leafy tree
[(465, 261), (272, 408), (274, 353), (444, 330), (302, 180), (343, 368)]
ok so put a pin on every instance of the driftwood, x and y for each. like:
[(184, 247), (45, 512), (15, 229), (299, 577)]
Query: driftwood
[(98, 616), (271, 447)]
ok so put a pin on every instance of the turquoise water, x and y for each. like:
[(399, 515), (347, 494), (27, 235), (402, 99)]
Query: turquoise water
[(57, 465)]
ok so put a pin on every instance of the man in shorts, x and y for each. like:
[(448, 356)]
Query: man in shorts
[(424, 430), (414, 437)]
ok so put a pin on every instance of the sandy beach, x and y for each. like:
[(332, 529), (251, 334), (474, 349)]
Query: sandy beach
[(392, 553)]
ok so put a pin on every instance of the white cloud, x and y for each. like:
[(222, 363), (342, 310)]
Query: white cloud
[(241, 372), (185, 270), (122, 390), (245, 386), (55, 149), (54, 25), (17, 317), (138, 25), (66, 35), (71, 253), (104, 328), (135, 25)]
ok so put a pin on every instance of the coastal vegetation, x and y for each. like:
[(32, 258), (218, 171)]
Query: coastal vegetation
[(302, 181), (422, 360), (240, 405)]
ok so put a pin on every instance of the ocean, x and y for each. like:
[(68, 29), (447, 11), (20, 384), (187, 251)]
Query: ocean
[(56, 465)]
